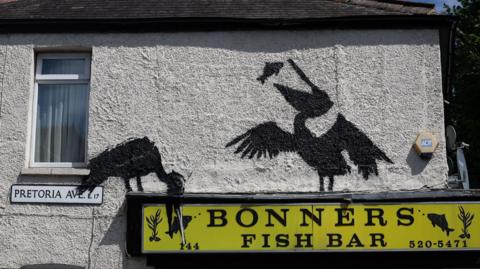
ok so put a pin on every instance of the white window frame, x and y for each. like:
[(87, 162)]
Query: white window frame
[(58, 79)]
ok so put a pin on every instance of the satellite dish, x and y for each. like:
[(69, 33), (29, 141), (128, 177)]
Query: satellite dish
[(462, 169), (451, 137)]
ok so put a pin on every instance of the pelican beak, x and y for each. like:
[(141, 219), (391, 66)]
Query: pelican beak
[(178, 211)]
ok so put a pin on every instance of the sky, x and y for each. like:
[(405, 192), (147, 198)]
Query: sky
[(439, 3)]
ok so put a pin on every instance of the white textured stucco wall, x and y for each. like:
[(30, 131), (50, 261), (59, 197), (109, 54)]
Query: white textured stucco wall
[(192, 93)]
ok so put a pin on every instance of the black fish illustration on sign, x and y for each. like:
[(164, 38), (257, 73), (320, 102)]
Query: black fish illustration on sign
[(440, 221), (175, 228), (269, 70)]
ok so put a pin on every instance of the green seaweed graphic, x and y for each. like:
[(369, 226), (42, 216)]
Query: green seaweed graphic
[(466, 219), (153, 222)]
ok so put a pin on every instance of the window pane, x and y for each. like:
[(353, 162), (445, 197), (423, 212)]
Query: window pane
[(61, 123), (63, 66)]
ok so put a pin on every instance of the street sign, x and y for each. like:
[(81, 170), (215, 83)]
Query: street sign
[(54, 194)]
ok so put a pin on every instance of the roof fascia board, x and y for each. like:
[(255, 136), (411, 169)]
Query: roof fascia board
[(221, 24)]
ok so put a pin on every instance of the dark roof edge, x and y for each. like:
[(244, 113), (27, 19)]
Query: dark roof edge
[(409, 3), (405, 7), (220, 24)]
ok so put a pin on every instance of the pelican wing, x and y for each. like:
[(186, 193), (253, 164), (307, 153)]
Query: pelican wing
[(361, 150), (262, 139)]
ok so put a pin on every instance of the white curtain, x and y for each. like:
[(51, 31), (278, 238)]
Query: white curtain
[(61, 123)]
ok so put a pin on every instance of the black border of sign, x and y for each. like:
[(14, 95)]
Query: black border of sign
[(135, 202), (286, 251), (360, 259), (52, 203)]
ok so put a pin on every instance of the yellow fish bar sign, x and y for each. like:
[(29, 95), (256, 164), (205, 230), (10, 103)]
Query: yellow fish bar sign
[(311, 227)]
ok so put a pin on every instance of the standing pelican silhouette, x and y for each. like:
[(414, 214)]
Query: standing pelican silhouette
[(322, 153)]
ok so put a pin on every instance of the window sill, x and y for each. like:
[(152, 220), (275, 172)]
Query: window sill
[(55, 171)]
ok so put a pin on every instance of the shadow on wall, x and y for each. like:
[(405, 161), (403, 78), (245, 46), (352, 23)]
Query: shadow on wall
[(115, 235), (416, 164), (238, 41), (41, 179), (51, 266)]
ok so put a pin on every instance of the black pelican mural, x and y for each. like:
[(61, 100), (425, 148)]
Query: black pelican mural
[(322, 153), (135, 158), (269, 70)]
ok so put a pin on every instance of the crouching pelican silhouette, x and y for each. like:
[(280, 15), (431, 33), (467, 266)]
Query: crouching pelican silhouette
[(135, 158)]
